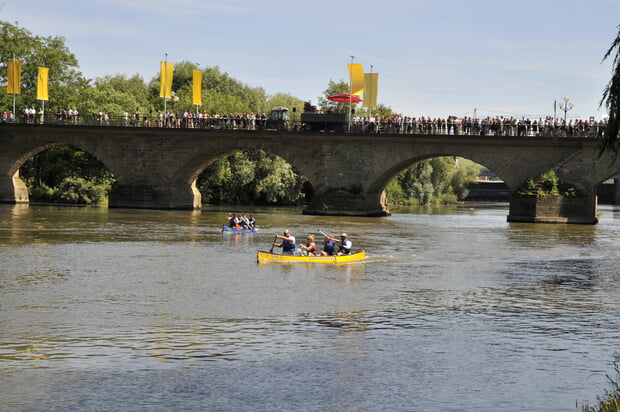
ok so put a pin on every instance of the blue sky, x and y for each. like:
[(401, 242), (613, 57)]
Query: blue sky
[(434, 57)]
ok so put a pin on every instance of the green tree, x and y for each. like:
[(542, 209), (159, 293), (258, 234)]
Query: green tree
[(611, 100), (51, 167), (251, 177), (65, 81), (380, 110), (437, 180), (220, 92), (288, 101), (334, 88), (115, 95)]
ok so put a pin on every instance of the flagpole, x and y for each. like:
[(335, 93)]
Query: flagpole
[(165, 98), (369, 108), (14, 112), (350, 92)]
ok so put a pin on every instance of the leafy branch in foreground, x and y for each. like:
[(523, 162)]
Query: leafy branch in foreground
[(611, 100)]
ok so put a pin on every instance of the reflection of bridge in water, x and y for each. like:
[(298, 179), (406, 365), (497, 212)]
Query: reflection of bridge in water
[(157, 167)]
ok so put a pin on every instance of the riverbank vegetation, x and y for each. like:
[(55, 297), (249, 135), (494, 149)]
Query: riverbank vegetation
[(610, 400), (441, 180), (64, 174)]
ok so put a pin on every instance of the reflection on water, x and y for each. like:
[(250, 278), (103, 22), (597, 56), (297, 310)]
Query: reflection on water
[(113, 309)]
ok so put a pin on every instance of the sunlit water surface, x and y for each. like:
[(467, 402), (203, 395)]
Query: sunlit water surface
[(455, 309)]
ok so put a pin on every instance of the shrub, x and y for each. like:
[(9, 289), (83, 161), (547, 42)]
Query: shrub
[(76, 190), (43, 193), (548, 184)]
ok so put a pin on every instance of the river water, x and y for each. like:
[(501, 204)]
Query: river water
[(455, 309)]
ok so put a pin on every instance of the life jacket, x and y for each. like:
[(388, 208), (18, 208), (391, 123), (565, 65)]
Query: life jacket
[(345, 247), (312, 250), (329, 247), (288, 246)]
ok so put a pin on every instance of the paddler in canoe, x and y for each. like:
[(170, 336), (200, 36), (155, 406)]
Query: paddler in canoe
[(345, 246), (342, 255), (288, 243), (310, 247)]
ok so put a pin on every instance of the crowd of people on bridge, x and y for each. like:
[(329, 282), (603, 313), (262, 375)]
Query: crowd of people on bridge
[(395, 124), (487, 126)]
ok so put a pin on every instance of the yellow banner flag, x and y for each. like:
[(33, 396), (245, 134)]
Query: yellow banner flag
[(42, 91), (165, 79), (371, 87), (14, 77), (197, 87), (356, 74)]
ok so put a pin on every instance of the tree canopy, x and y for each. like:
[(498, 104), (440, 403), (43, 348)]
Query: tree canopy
[(611, 99), (65, 80)]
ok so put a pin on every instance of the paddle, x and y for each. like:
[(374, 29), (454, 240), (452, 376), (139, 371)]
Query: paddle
[(274, 241)]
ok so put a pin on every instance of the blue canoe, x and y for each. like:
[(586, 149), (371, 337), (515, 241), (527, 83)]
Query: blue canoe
[(226, 228)]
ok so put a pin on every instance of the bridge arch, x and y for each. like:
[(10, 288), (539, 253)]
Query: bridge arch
[(189, 172), (15, 168), (383, 180)]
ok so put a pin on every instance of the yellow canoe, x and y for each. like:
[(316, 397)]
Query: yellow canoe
[(265, 257)]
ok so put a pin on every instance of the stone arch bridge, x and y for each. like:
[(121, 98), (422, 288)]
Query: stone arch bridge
[(157, 168)]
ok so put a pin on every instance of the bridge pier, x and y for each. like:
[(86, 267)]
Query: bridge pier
[(146, 196), (13, 189), (553, 209), (341, 202)]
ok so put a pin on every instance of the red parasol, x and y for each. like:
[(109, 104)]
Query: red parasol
[(344, 98)]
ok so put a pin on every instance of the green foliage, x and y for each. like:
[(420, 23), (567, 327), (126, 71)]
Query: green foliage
[(52, 166), (220, 93), (72, 190), (288, 101), (548, 184), (251, 177), (42, 193), (77, 190), (65, 81), (66, 174), (611, 100), (380, 110), (335, 88), (115, 95), (610, 401), (438, 180)]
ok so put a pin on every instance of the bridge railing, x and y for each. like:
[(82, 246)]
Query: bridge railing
[(416, 127), (103, 120), (577, 129)]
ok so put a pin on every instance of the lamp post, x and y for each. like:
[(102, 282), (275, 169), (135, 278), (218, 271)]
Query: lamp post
[(566, 106)]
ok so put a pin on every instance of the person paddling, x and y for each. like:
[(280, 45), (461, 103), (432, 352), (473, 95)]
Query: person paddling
[(329, 246), (288, 243), (310, 246), (345, 246)]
